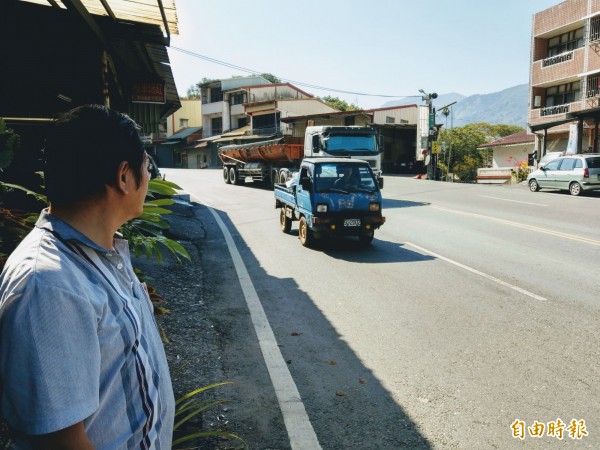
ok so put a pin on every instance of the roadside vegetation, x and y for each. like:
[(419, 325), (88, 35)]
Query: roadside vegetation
[(461, 156)]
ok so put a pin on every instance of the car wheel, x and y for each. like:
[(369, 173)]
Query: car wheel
[(285, 222), (226, 175), (305, 233), (575, 188), (533, 185)]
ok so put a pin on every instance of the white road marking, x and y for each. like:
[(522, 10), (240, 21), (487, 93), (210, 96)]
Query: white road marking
[(514, 201), (477, 272), (300, 430), (572, 237)]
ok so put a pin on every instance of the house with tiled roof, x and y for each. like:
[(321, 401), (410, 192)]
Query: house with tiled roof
[(508, 153)]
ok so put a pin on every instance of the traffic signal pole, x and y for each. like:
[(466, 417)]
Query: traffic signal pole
[(432, 134)]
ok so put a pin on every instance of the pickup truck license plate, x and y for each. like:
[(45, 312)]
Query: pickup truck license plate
[(352, 222)]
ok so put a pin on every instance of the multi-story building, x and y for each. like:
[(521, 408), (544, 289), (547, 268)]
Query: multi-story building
[(247, 109), (188, 116), (236, 102), (564, 88)]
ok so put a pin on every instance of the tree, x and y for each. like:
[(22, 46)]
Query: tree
[(270, 77), (339, 104), (194, 90), (462, 156)]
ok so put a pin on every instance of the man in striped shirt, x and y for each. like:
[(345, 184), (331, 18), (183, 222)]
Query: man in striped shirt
[(82, 365)]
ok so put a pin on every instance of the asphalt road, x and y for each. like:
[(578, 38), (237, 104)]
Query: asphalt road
[(475, 308)]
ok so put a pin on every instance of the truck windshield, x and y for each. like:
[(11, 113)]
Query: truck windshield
[(351, 145), (344, 178)]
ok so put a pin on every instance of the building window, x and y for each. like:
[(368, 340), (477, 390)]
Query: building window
[(242, 122), (216, 125), (389, 119), (237, 98), (563, 94), (565, 42), (184, 123), (216, 95), (594, 29), (349, 121), (592, 88)]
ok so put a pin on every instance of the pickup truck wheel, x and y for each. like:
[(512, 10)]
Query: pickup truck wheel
[(226, 175), (306, 236), (285, 222), (233, 176), (366, 238)]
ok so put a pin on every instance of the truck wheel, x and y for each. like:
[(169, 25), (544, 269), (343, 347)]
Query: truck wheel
[(306, 236), (226, 175), (285, 222), (366, 238), (233, 176)]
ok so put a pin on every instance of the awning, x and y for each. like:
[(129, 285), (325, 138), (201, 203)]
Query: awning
[(593, 113), (546, 125), (202, 145), (152, 12), (239, 132)]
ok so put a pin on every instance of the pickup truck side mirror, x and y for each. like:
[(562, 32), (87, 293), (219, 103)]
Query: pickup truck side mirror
[(380, 180), (316, 144)]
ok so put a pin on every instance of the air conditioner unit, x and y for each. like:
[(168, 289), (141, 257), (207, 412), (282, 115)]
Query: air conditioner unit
[(537, 101)]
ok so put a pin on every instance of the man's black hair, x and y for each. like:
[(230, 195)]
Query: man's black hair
[(83, 151)]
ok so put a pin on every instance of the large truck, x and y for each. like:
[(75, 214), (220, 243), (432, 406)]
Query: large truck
[(331, 197), (276, 160)]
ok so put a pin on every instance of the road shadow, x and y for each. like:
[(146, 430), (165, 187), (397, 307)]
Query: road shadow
[(349, 248), (347, 405), (389, 203)]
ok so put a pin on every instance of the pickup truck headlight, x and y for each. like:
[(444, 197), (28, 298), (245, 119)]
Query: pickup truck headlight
[(321, 208), (374, 207)]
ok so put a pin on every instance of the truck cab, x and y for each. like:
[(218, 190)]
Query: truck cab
[(345, 141), (331, 197)]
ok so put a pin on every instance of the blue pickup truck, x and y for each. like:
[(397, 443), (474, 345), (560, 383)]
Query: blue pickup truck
[(331, 197)]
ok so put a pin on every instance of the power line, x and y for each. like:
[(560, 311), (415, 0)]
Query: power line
[(299, 83)]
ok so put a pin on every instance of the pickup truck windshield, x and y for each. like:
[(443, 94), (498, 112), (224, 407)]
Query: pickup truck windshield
[(352, 145), (344, 178)]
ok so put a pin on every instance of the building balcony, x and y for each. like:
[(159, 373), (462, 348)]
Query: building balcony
[(212, 108), (555, 113), (553, 69)]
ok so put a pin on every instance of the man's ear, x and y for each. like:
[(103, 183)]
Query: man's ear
[(123, 176)]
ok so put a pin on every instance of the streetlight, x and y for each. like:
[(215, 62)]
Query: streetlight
[(432, 135)]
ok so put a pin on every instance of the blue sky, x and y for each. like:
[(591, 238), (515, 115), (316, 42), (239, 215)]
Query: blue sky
[(383, 47)]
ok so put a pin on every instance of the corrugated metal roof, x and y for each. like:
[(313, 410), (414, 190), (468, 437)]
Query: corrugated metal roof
[(184, 133), (153, 12)]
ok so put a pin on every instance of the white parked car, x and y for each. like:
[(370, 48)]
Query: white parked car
[(573, 173)]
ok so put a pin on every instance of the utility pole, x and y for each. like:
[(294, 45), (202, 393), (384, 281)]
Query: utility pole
[(432, 135), (446, 111)]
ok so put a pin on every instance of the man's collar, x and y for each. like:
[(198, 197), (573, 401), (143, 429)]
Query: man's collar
[(53, 224)]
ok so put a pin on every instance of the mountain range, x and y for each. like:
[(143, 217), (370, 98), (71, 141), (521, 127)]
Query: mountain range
[(509, 106)]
